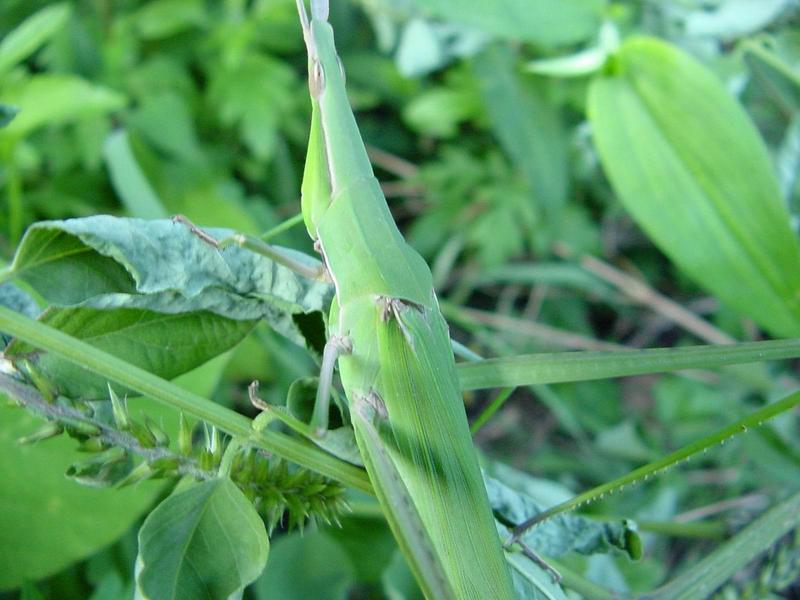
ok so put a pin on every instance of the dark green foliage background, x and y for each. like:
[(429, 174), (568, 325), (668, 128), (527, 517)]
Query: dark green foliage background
[(149, 109)]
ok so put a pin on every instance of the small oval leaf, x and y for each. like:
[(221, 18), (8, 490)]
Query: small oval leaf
[(204, 542)]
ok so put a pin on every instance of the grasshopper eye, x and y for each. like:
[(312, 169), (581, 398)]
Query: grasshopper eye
[(316, 79)]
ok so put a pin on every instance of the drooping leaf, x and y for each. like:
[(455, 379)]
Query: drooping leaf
[(105, 262), (206, 541), (310, 565), (50, 98), (711, 202), (164, 344), (544, 22), (32, 33)]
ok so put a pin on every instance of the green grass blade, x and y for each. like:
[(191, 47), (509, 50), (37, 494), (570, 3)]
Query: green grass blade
[(715, 569), (645, 472), (116, 369), (533, 369)]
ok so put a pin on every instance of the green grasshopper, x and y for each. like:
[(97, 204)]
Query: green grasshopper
[(393, 349)]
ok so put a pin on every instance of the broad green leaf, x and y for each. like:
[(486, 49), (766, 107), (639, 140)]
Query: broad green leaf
[(129, 180), (49, 99), (310, 565), (32, 33), (528, 127), (105, 262), (544, 22), (692, 170), (44, 521), (166, 345), (206, 541)]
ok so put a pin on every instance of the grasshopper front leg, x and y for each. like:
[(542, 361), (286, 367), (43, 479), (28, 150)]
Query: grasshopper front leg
[(254, 244)]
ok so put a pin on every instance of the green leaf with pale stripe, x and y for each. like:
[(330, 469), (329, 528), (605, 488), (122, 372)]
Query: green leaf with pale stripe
[(690, 167)]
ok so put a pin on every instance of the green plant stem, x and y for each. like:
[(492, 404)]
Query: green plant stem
[(116, 369), (489, 411), (561, 367), (33, 401), (645, 472), (700, 529)]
